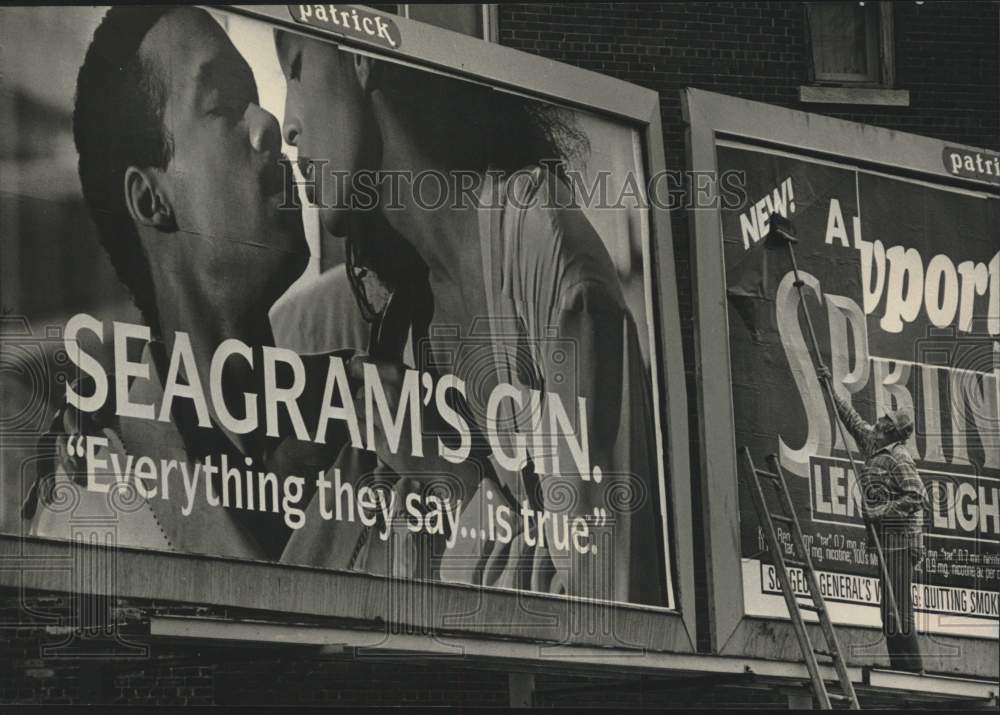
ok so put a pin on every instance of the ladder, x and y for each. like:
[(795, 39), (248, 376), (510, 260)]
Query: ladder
[(802, 560)]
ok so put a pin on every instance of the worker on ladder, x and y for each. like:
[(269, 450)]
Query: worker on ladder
[(893, 500)]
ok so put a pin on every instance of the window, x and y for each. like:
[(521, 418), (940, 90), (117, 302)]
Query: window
[(478, 19), (851, 43), (851, 54)]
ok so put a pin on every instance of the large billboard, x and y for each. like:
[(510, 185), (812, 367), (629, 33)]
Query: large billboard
[(902, 283), (268, 298), (898, 278)]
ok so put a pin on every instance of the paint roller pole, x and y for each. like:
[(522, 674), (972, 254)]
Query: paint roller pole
[(782, 232)]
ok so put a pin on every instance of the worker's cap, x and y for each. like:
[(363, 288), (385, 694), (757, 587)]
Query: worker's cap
[(901, 421)]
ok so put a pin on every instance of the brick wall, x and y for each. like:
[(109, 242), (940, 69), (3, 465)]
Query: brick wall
[(947, 56)]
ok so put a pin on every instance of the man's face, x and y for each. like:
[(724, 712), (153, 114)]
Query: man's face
[(884, 430), (326, 118), (224, 180)]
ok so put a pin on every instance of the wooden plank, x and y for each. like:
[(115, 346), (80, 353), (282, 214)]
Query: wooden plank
[(940, 685), (855, 95), (496, 652), (865, 647)]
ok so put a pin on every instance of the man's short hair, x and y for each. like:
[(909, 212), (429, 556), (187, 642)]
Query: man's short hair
[(118, 123)]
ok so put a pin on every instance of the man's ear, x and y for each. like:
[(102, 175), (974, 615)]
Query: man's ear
[(367, 71), (146, 201)]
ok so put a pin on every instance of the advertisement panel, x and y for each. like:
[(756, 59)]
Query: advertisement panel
[(902, 283), (268, 298)]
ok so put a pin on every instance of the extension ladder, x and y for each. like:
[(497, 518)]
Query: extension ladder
[(803, 561)]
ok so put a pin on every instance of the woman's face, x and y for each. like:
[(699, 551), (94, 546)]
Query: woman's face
[(325, 118)]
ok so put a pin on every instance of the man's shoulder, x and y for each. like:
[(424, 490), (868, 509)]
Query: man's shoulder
[(899, 450), (901, 456), (888, 457)]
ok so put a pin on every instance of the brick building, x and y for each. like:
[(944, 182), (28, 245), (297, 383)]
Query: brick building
[(934, 71), (761, 51)]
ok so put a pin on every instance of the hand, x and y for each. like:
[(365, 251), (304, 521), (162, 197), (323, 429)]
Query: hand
[(403, 543), (76, 424), (68, 427), (823, 373)]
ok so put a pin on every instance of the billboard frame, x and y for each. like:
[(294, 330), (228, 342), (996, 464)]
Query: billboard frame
[(367, 600), (709, 117)]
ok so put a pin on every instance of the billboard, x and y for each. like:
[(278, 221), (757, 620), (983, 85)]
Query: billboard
[(270, 298), (898, 263), (902, 283)]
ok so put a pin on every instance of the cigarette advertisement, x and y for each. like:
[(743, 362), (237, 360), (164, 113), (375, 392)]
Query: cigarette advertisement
[(900, 282)]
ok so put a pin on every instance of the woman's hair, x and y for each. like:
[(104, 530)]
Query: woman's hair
[(467, 125), (462, 126)]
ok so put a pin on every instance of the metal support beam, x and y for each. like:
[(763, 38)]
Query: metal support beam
[(442, 644), (681, 668), (653, 684), (941, 685), (522, 690), (799, 698)]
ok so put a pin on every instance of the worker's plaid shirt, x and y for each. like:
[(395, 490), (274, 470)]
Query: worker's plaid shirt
[(891, 489)]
